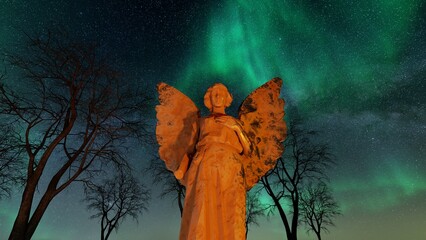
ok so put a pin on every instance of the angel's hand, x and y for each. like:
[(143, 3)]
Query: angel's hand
[(235, 125), (183, 167), (229, 122)]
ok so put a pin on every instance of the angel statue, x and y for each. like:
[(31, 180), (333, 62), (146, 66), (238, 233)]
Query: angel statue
[(218, 158)]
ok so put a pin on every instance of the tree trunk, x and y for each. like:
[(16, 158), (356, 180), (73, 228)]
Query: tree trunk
[(295, 219), (20, 225), (108, 233), (318, 234), (24, 226), (180, 196), (102, 228), (38, 213), (180, 203), (102, 235), (280, 210)]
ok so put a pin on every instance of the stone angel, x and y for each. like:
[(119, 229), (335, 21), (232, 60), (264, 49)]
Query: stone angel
[(218, 158)]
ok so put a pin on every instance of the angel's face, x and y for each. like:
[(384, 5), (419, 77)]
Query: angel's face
[(218, 97)]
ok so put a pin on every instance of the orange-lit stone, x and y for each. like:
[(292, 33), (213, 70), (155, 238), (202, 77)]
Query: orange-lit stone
[(218, 157)]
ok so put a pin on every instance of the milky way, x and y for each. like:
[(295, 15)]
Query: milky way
[(354, 70)]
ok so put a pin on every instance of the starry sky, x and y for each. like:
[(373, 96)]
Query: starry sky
[(354, 70)]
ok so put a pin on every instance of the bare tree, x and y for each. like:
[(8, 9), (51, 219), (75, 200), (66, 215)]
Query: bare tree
[(170, 185), (11, 164), (114, 200), (254, 209), (318, 208), (304, 161), (75, 111)]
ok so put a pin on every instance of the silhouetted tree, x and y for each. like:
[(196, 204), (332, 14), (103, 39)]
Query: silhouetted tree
[(114, 200), (318, 208), (11, 164), (254, 209), (170, 185), (74, 110), (303, 162)]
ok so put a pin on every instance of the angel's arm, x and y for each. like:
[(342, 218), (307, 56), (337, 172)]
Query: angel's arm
[(183, 167), (238, 129), (244, 140)]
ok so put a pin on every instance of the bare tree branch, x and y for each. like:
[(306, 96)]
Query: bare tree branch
[(115, 199), (318, 208), (254, 209), (303, 162), (170, 185), (77, 108), (11, 162)]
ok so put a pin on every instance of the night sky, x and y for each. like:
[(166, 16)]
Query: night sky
[(354, 70)]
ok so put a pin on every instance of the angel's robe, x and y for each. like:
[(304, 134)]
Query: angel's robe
[(219, 175), (215, 200)]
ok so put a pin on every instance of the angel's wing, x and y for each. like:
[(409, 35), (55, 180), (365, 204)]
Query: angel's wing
[(177, 125), (262, 114)]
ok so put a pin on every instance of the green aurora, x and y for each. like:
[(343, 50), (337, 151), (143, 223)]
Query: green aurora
[(341, 56), (353, 69)]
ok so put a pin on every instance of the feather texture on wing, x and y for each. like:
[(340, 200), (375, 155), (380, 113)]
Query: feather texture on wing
[(177, 125), (262, 115)]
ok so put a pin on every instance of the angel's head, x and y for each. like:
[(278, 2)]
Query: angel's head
[(217, 97)]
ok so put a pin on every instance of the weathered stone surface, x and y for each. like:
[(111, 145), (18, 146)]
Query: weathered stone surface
[(218, 157), (262, 113), (177, 125)]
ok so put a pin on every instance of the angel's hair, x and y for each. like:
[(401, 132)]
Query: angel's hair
[(207, 99)]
